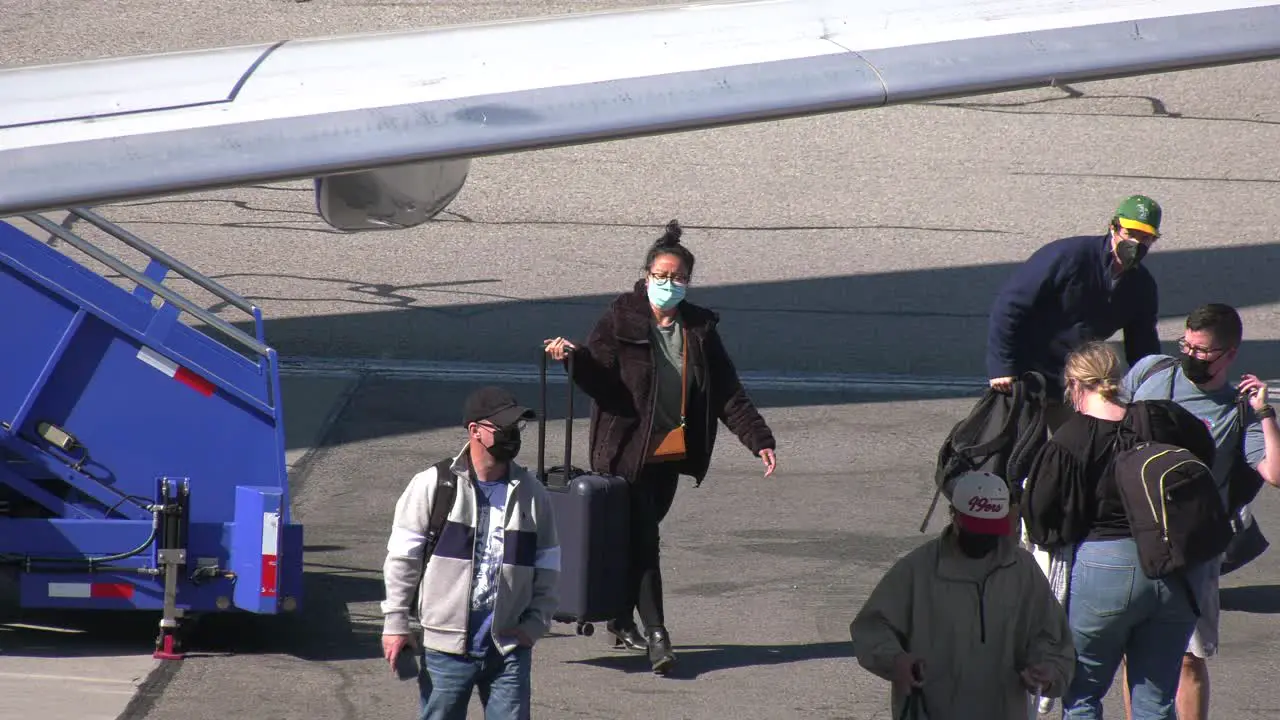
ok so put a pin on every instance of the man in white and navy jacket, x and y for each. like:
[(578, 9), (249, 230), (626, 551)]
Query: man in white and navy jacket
[(488, 592)]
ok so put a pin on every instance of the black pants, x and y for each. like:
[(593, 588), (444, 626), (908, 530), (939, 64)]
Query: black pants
[(651, 497)]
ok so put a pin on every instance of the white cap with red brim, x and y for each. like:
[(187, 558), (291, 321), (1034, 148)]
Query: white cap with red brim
[(981, 501)]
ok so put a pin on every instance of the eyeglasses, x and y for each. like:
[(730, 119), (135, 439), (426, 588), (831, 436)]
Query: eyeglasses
[(663, 278), (1188, 348)]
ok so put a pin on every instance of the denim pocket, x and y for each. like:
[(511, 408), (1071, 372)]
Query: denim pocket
[(1104, 589)]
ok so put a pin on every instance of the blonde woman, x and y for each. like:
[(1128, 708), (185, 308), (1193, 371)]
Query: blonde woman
[(1073, 508), (1091, 374)]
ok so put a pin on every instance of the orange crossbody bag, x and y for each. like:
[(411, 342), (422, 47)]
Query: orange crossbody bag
[(672, 446)]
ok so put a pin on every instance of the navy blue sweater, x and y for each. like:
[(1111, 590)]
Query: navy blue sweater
[(1061, 298)]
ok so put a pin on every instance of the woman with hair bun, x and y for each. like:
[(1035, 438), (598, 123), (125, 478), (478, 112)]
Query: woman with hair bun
[(660, 378)]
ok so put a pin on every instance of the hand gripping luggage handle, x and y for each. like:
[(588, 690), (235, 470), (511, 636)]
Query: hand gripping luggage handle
[(542, 420)]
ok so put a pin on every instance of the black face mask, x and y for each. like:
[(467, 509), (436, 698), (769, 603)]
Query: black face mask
[(976, 546), (506, 444), (1196, 369), (1130, 253)]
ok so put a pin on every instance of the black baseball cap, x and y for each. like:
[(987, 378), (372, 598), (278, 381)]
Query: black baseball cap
[(496, 405)]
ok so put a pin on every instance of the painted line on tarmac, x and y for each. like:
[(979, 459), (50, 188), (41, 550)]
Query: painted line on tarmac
[(65, 678), (529, 374)]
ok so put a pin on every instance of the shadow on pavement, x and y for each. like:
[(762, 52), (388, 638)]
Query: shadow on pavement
[(929, 321), (884, 322), (55, 633), (1256, 599), (80, 634), (695, 660), (323, 629)]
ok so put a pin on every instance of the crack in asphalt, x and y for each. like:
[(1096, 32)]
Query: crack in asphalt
[(1159, 109), (343, 691), (468, 220), (743, 228), (382, 291), (393, 296), (1170, 178)]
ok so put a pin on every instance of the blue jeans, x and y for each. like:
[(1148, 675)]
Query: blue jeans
[(503, 682), (1115, 610)]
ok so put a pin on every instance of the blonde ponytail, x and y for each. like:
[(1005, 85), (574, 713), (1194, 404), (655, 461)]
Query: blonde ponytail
[(1096, 368)]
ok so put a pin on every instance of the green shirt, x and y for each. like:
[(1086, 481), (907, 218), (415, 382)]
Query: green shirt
[(669, 352)]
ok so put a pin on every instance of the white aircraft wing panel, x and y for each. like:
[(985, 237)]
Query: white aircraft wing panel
[(52, 99), (111, 130)]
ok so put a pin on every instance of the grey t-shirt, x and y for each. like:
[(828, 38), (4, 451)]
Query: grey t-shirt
[(1216, 408), (669, 346)]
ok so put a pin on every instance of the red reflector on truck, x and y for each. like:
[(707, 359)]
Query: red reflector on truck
[(96, 591), (270, 548), (175, 371), (194, 381), (111, 590)]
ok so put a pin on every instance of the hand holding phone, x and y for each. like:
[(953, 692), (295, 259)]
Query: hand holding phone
[(1252, 388), (407, 663)]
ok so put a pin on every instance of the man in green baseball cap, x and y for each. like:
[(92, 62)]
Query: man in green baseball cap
[(1069, 292), (1135, 226), (1072, 291), (1139, 212)]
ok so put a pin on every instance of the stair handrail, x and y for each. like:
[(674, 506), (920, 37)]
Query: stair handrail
[(159, 255), (168, 294)]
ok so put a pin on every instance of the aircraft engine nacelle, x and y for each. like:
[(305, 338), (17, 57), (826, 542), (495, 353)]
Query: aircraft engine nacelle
[(390, 198)]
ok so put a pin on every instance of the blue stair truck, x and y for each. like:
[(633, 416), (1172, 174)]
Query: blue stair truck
[(142, 460)]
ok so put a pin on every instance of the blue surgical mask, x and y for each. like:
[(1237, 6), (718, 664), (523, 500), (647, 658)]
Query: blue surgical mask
[(665, 295)]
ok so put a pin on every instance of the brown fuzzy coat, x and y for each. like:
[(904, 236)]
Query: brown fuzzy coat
[(616, 369)]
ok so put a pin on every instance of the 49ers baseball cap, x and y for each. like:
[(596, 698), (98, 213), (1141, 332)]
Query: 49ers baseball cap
[(981, 501)]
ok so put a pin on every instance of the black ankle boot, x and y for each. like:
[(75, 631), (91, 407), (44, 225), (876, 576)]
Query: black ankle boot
[(660, 655), (625, 637)]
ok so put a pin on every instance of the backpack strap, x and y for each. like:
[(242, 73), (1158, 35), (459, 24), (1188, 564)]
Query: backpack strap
[(1156, 367), (1026, 445), (441, 503), (1235, 440), (1242, 420), (1137, 418), (442, 497), (1241, 479)]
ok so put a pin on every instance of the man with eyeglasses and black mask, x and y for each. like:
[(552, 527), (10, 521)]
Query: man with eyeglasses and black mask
[(487, 593), (1198, 379), (1073, 291), (967, 621)]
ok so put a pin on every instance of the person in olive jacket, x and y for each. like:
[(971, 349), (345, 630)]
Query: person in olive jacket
[(660, 378), (967, 623)]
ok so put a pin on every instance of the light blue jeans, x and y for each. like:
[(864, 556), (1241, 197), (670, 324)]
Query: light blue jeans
[(503, 682), (1116, 611)]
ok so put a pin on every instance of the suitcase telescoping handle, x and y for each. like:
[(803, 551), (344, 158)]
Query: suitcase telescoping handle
[(542, 421)]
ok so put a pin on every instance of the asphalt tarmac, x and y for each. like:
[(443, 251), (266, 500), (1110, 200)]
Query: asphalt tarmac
[(867, 243)]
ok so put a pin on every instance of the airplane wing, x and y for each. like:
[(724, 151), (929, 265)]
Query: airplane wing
[(419, 105)]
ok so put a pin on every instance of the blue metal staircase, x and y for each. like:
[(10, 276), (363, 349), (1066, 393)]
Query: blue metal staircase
[(143, 460)]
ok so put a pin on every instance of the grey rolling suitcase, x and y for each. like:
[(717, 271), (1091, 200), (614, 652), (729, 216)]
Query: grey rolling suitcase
[(592, 520)]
